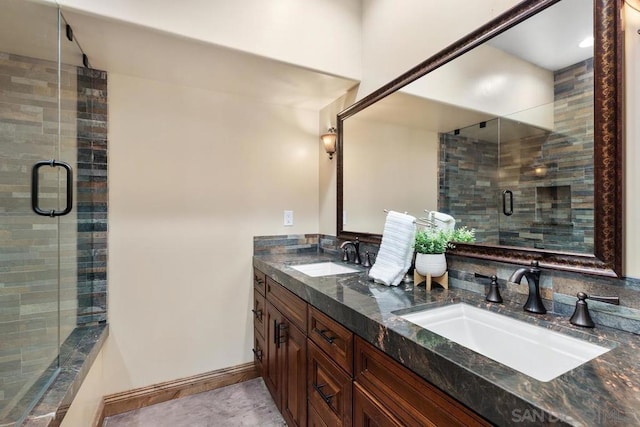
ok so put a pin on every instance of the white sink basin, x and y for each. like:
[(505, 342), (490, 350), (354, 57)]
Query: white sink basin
[(532, 350), (320, 269)]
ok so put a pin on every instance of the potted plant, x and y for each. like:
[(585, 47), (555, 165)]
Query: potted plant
[(431, 245)]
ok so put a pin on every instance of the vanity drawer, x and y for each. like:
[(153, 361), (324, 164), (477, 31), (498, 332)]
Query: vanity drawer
[(259, 315), (412, 400), (329, 388), (333, 338), (294, 308), (259, 281)]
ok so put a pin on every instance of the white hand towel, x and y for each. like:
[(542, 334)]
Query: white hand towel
[(396, 249), (442, 221)]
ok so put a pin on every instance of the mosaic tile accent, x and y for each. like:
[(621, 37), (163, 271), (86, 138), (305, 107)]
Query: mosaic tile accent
[(92, 196), (285, 244)]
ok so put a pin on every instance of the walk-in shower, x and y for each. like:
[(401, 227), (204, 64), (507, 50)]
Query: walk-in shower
[(52, 199)]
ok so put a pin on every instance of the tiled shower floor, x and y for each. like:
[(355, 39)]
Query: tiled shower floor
[(245, 404)]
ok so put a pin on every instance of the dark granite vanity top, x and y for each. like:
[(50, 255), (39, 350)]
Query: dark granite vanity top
[(604, 391)]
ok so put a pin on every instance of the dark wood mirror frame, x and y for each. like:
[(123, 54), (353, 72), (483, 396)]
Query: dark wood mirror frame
[(608, 141)]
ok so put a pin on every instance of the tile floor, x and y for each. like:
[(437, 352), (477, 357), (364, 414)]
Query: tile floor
[(245, 404)]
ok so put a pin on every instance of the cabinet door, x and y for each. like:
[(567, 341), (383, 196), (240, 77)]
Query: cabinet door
[(294, 375), (367, 412), (272, 368)]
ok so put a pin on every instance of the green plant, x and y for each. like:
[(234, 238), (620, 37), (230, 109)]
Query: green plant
[(462, 235), (430, 241)]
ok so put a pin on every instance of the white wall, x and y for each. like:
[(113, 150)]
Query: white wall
[(323, 35)]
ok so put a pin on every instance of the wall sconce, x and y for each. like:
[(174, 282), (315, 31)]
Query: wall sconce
[(329, 141)]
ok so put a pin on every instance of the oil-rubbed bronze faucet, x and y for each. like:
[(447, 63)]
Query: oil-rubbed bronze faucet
[(534, 301), (356, 248)]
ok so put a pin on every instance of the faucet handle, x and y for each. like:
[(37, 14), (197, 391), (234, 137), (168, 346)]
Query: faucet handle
[(581, 316), (345, 255), (367, 260), (494, 290)]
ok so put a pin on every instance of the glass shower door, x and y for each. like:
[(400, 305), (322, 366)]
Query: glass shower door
[(29, 243)]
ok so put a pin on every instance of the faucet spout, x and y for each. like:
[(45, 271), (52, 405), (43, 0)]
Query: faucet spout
[(532, 274), (356, 248)]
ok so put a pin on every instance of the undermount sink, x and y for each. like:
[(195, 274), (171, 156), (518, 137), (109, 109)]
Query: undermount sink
[(320, 269), (532, 350)]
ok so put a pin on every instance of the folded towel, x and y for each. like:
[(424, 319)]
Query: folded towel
[(396, 249), (442, 221)]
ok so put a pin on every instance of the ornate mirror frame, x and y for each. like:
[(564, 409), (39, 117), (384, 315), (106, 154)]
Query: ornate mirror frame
[(608, 141)]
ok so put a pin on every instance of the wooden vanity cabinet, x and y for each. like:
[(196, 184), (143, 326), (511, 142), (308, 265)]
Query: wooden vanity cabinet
[(284, 367), (321, 375)]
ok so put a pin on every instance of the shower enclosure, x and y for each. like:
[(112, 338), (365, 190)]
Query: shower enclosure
[(520, 184), (46, 289)]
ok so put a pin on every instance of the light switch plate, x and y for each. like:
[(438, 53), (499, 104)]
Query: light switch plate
[(288, 218)]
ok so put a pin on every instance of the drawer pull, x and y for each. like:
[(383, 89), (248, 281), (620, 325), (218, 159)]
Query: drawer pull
[(325, 397), (258, 280), (322, 333), (257, 353), (257, 313), (279, 333)]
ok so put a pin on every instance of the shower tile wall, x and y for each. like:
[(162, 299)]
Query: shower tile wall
[(551, 175), (468, 183), (29, 274), (554, 172), (29, 244)]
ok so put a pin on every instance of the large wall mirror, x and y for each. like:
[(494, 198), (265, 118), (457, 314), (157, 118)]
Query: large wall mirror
[(515, 131)]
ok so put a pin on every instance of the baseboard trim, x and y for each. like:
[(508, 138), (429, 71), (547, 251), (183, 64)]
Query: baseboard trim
[(119, 403)]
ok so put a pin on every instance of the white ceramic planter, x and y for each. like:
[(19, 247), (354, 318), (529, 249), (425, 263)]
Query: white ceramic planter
[(433, 264)]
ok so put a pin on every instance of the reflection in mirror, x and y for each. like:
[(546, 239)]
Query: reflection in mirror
[(502, 137)]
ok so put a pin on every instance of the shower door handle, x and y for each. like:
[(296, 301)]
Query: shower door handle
[(35, 188), (504, 202)]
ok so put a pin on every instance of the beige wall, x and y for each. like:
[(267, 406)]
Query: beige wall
[(193, 176), (387, 166)]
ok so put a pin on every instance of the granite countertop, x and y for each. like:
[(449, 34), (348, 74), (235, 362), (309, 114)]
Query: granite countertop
[(604, 391)]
